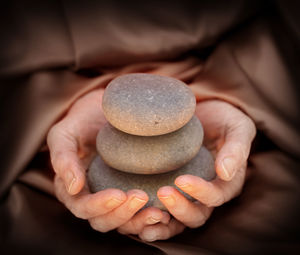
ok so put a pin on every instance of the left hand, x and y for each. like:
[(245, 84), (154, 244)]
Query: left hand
[(228, 135), (71, 144)]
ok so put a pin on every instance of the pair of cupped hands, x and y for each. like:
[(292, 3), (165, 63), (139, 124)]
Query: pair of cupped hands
[(228, 135)]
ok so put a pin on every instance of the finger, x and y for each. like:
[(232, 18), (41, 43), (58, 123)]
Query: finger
[(148, 216), (161, 231), (189, 213), (136, 199), (214, 193), (85, 205), (64, 159), (236, 148), (230, 131), (166, 218)]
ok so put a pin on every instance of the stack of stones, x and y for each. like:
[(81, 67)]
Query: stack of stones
[(151, 137)]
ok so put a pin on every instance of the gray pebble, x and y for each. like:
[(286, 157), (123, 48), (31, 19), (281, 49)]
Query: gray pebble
[(100, 176), (149, 154)]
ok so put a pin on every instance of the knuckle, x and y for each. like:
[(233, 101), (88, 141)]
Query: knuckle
[(99, 226), (202, 216), (197, 223), (121, 217), (51, 133), (122, 231), (58, 189), (90, 209), (217, 201), (76, 211), (239, 147), (133, 226), (54, 133), (60, 163), (79, 214), (59, 197), (237, 192), (84, 213), (182, 213), (242, 150), (251, 126), (130, 227)]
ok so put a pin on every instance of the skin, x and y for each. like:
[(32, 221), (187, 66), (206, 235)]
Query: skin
[(228, 135)]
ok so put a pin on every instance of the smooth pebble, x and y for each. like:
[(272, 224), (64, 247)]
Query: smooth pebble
[(100, 177), (148, 104), (149, 154)]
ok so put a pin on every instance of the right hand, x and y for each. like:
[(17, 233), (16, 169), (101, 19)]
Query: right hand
[(72, 146)]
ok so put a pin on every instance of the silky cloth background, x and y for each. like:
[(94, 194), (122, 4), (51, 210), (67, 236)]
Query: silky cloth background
[(243, 52)]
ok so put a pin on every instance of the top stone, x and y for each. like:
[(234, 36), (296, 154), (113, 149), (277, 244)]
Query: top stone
[(147, 104)]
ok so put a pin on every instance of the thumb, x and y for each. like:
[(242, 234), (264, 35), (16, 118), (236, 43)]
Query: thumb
[(65, 160), (235, 150)]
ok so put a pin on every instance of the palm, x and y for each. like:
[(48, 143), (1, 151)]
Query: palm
[(228, 134), (213, 116), (83, 122)]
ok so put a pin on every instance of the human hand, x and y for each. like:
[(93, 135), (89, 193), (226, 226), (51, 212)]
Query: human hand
[(72, 146), (228, 135)]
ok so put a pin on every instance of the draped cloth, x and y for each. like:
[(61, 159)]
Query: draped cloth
[(242, 52)]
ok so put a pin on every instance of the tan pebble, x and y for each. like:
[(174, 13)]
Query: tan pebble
[(147, 104)]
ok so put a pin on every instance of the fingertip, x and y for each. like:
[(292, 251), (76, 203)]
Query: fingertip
[(167, 195), (226, 168), (140, 194), (69, 168), (73, 188), (183, 180), (74, 182), (232, 156), (154, 215), (165, 191)]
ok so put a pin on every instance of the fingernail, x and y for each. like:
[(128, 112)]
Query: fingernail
[(169, 200), (70, 180), (228, 165), (136, 202), (113, 203), (150, 236), (152, 220)]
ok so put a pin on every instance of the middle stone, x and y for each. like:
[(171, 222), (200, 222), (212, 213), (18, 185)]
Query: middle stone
[(149, 155)]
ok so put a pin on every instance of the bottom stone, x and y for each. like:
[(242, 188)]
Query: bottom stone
[(100, 177)]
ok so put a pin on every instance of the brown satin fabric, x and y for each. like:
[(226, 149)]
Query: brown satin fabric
[(235, 51)]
